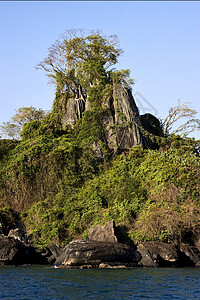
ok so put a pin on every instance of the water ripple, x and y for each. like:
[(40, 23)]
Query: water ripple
[(42, 282)]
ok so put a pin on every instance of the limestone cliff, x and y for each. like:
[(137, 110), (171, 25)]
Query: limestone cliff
[(72, 111), (125, 125), (122, 125)]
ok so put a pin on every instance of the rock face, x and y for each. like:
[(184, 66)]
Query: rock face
[(72, 111), (55, 250), (156, 254), (126, 119), (11, 250), (122, 122), (104, 233), (91, 254), (189, 255)]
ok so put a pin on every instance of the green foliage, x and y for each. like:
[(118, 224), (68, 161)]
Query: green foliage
[(23, 115), (8, 218), (79, 60), (30, 130), (64, 188), (90, 128), (6, 146), (58, 184), (122, 77)]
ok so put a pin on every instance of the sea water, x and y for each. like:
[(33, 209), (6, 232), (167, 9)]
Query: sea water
[(44, 282)]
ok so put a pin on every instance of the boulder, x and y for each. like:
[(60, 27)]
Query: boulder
[(90, 254), (55, 250), (116, 265), (13, 251), (188, 255), (147, 260), (157, 254), (45, 256), (104, 233)]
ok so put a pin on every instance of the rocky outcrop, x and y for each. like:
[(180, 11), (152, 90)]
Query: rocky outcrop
[(104, 233), (13, 251), (156, 254), (121, 122), (72, 111), (55, 250), (126, 119), (189, 255), (92, 254)]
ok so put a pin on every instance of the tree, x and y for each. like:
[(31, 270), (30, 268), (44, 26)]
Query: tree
[(81, 60), (23, 115), (177, 113)]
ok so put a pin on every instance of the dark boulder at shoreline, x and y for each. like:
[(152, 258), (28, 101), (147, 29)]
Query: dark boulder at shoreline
[(157, 254), (92, 254), (189, 255), (14, 252), (56, 252), (102, 250)]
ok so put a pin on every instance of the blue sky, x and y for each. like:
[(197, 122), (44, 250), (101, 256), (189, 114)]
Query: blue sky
[(160, 40)]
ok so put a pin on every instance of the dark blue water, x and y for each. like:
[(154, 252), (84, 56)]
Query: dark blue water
[(42, 282)]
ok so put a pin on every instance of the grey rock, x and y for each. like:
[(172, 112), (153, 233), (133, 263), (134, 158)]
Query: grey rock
[(189, 255), (72, 111), (156, 254), (197, 240), (55, 250), (13, 251), (147, 260), (92, 253), (122, 124), (104, 233), (126, 118), (123, 128), (18, 234)]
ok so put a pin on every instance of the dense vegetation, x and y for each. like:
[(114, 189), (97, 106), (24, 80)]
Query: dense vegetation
[(54, 182), (60, 188)]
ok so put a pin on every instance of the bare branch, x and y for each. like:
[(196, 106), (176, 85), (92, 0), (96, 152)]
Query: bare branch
[(177, 113)]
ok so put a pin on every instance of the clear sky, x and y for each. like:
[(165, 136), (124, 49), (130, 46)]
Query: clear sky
[(160, 40)]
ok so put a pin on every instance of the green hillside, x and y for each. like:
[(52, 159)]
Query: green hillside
[(56, 182)]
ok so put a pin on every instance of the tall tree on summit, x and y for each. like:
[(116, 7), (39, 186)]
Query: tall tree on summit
[(79, 61)]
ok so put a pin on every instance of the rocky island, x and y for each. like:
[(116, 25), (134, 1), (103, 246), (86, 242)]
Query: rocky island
[(94, 184)]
